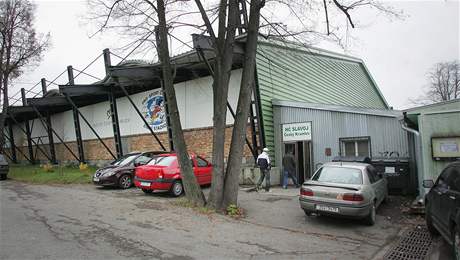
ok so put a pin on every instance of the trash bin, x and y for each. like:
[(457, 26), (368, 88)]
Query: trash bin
[(397, 171)]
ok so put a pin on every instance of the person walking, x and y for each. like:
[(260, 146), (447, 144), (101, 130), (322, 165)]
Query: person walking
[(289, 170), (263, 161)]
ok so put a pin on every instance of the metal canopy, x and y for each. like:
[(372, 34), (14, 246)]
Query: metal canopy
[(134, 76)]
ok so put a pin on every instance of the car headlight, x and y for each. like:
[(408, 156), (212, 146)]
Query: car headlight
[(109, 173)]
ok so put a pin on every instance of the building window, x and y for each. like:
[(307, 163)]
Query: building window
[(355, 146)]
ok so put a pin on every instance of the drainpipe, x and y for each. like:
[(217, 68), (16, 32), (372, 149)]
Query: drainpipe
[(418, 157)]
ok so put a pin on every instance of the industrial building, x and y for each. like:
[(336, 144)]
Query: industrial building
[(332, 94)]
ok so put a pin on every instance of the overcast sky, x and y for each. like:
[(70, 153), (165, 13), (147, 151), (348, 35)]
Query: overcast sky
[(398, 53)]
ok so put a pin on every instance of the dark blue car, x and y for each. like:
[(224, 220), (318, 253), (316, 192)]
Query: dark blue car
[(442, 206)]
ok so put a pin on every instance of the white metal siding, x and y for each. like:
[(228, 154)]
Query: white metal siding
[(385, 132)]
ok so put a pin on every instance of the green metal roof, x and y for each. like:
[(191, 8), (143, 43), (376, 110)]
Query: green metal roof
[(436, 107), (291, 72)]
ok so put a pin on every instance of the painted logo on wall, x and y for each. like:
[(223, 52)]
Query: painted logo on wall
[(154, 110)]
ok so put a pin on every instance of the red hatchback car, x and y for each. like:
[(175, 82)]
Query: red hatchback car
[(162, 173)]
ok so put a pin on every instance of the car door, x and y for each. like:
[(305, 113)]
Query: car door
[(205, 170), (438, 193), (449, 198), (376, 185)]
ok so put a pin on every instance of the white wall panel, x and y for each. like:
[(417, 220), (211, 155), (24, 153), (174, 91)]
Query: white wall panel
[(194, 100)]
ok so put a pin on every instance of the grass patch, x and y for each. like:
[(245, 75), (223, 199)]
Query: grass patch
[(51, 174)]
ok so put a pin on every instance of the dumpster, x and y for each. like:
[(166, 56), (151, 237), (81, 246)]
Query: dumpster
[(397, 171)]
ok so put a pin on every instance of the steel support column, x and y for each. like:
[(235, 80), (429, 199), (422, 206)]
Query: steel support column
[(44, 123), (27, 126), (89, 125), (31, 160), (76, 120), (113, 107), (14, 158), (115, 123), (48, 129)]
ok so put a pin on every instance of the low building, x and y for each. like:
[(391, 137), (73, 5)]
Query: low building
[(434, 138), (317, 133)]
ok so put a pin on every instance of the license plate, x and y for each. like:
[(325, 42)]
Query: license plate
[(147, 184), (327, 208), (95, 179)]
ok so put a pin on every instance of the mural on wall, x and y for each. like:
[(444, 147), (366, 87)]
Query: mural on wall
[(153, 109)]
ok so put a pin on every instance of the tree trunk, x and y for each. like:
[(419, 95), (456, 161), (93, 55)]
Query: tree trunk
[(244, 101), (222, 73), (4, 111), (4, 94), (193, 191)]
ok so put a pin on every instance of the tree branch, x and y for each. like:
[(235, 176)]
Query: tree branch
[(207, 22), (344, 9)]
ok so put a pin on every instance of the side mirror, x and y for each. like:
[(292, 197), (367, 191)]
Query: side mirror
[(428, 184), (136, 164)]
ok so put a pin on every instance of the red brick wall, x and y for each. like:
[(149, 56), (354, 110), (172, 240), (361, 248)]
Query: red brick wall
[(198, 140)]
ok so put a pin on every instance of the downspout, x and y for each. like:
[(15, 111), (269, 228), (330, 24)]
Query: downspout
[(418, 157)]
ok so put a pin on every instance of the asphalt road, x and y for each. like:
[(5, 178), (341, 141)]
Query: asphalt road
[(86, 222)]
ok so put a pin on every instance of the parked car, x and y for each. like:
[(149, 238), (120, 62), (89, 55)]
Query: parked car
[(442, 206), (4, 167), (121, 171), (347, 189), (163, 174)]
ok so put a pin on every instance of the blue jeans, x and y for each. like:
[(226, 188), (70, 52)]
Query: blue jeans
[(287, 175)]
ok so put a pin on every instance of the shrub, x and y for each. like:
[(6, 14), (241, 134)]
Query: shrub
[(48, 167), (83, 166), (234, 211)]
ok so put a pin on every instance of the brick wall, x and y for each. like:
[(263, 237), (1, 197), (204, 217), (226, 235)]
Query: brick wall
[(199, 140)]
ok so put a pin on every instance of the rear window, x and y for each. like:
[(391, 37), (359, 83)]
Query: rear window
[(162, 160), (341, 175), (125, 160)]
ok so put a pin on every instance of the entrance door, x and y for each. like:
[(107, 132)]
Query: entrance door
[(302, 155)]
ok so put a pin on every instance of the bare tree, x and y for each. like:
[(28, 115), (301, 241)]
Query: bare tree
[(131, 17), (281, 30), (130, 10), (20, 47), (443, 84), (192, 189)]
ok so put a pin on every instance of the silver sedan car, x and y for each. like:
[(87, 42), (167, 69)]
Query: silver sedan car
[(344, 189)]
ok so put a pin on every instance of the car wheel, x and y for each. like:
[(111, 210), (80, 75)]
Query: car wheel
[(3, 177), (125, 181), (456, 244), (177, 189), (370, 219), (429, 221), (147, 191), (386, 200), (308, 213)]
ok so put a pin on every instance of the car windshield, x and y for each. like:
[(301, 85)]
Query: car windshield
[(341, 175), (162, 160), (125, 160)]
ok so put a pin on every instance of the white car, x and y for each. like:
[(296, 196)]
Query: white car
[(347, 189)]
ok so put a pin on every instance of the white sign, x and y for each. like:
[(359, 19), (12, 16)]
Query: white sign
[(297, 132)]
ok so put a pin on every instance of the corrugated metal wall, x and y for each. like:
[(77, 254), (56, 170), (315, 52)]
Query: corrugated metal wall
[(297, 74), (385, 132)]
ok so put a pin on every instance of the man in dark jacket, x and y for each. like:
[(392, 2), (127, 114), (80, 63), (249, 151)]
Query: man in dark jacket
[(289, 170)]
